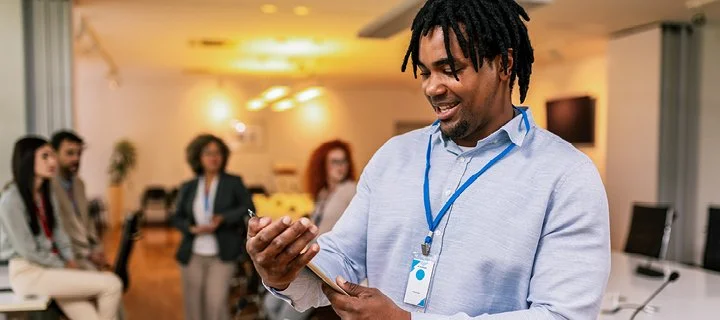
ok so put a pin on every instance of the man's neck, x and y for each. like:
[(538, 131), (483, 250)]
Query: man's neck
[(494, 124), (66, 175)]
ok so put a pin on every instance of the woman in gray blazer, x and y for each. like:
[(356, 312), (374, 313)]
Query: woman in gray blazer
[(210, 213), (33, 240)]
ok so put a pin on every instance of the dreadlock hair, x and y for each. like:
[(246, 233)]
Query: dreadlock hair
[(491, 28)]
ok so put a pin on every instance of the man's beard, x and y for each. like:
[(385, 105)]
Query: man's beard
[(457, 131), (70, 170), (461, 129)]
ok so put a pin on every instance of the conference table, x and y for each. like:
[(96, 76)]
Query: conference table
[(695, 295)]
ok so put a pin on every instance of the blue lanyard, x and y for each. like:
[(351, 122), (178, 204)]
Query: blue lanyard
[(433, 224), (207, 202)]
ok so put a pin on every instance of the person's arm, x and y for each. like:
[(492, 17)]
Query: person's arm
[(572, 263), (342, 250), (61, 239), (181, 218), (89, 223), (236, 215), (14, 220)]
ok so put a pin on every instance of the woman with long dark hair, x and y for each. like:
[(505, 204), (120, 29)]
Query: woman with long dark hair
[(38, 250)]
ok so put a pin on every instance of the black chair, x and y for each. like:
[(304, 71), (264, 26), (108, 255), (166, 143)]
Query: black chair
[(171, 197), (649, 235), (711, 260), (96, 212), (154, 205), (650, 230), (130, 233)]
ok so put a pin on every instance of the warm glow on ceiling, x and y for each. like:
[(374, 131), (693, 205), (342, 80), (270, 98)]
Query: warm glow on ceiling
[(301, 10), (265, 65), (275, 93), (308, 94), (256, 104), (291, 47), (283, 105), (268, 8)]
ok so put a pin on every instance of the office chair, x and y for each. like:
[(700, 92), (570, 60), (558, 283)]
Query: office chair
[(650, 230), (650, 234), (711, 260), (172, 198), (130, 233), (154, 205)]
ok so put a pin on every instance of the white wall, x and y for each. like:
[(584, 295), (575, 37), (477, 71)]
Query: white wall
[(12, 83), (708, 187), (162, 113), (633, 125), (573, 78)]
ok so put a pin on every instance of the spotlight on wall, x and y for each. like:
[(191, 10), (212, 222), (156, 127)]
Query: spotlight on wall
[(219, 109), (239, 126)]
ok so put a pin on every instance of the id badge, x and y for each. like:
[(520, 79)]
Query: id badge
[(419, 279)]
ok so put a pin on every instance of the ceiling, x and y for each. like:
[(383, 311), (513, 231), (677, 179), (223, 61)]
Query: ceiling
[(157, 34)]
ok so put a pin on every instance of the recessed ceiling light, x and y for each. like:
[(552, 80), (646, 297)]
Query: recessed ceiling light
[(308, 94), (275, 93), (269, 8), (301, 10), (283, 105)]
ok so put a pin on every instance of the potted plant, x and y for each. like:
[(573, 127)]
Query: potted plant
[(122, 161)]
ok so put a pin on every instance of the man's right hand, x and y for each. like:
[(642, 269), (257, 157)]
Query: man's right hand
[(275, 248)]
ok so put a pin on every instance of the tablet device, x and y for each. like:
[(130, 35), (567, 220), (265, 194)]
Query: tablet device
[(330, 282)]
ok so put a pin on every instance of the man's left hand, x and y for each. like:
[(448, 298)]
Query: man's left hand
[(362, 303)]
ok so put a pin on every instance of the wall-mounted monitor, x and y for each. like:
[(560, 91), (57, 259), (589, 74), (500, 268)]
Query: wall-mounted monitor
[(573, 119)]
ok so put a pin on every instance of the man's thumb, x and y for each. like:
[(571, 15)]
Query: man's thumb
[(352, 289)]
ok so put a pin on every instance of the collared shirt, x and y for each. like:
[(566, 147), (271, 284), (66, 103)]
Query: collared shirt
[(205, 244), (528, 240), (67, 185)]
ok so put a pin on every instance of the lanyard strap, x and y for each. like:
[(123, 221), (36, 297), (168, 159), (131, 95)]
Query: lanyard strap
[(42, 216), (207, 202), (433, 223)]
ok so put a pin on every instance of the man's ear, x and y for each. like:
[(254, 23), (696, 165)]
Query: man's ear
[(505, 73)]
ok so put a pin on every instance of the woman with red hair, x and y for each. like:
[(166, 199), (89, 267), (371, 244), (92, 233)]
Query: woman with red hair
[(330, 179)]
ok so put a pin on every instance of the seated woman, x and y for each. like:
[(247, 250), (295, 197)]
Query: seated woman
[(38, 250)]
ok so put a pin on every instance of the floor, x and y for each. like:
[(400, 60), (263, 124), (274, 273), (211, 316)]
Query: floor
[(155, 292)]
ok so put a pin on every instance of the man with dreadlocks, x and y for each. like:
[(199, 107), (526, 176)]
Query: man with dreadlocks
[(482, 214)]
